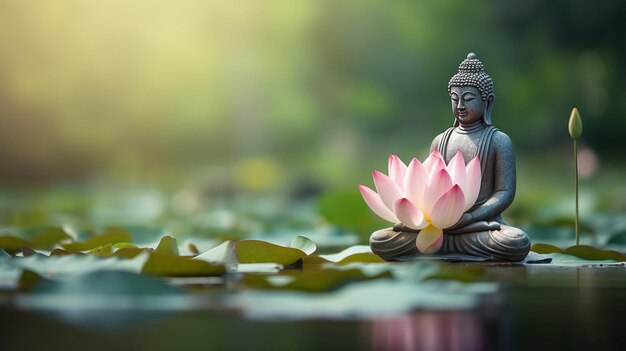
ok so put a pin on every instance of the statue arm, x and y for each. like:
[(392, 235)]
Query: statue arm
[(503, 194), (504, 180)]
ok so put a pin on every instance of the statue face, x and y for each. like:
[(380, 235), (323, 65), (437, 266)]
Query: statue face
[(467, 105)]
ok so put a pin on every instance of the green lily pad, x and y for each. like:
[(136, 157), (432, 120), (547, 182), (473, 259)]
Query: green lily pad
[(62, 252), (585, 252), (353, 254), (130, 252), (312, 281), (591, 253), (167, 245), (113, 236), (160, 264), (48, 238), (106, 250), (256, 251), (303, 244), (56, 266), (545, 248), (125, 246), (221, 254), (12, 244)]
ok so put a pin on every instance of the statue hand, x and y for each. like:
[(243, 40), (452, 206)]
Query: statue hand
[(401, 228)]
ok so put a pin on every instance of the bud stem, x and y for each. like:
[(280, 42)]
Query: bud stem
[(576, 190)]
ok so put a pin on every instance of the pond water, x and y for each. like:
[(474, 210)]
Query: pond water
[(533, 307)]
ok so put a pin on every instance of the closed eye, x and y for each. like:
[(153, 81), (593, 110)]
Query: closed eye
[(468, 96)]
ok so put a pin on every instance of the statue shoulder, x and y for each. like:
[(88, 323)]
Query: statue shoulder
[(502, 143)]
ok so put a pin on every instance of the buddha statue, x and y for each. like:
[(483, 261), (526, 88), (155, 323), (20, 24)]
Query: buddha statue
[(481, 233)]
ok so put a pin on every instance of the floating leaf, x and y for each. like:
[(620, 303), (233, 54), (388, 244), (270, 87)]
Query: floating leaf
[(176, 266), (581, 251), (109, 237), (256, 251), (167, 245), (353, 254), (221, 254), (545, 248), (12, 244), (106, 250), (362, 258), (63, 266), (303, 244), (48, 238), (130, 252), (313, 281), (366, 299), (125, 246), (591, 253), (62, 252), (311, 260)]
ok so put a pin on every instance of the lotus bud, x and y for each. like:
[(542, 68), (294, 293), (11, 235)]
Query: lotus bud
[(575, 124)]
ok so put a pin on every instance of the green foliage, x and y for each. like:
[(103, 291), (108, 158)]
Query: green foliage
[(12, 244), (42, 240), (584, 252), (313, 281), (303, 244), (545, 248), (167, 245), (224, 253), (109, 237), (160, 264), (48, 238), (255, 251)]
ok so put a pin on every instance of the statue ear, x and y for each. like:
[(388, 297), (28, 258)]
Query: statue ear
[(488, 107)]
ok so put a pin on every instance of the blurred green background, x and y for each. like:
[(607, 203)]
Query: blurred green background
[(190, 101)]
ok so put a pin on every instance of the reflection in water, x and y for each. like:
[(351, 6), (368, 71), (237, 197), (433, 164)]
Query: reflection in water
[(432, 330)]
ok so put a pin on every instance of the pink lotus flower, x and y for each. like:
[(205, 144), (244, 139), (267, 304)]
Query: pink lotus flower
[(429, 197)]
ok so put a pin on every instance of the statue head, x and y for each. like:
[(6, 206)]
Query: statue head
[(471, 92)]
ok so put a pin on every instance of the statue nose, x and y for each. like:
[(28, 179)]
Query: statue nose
[(460, 105)]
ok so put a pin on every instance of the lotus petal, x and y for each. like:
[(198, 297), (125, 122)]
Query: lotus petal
[(473, 179), (456, 167), (374, 202), (431, 160), (429, 240), (408, 214), (438, 184), (448, 209), (397, 170), (415, 182), (387, 189)]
